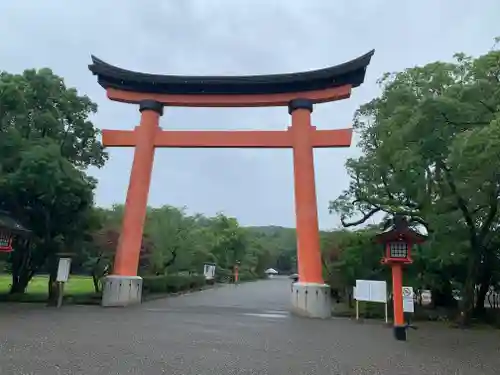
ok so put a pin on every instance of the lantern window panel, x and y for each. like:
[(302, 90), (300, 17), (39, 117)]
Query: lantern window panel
[(398, 250), (4, 238), (5, 242)]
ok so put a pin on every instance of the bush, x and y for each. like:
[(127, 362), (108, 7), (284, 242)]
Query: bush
[(223, 275), (248, 276), (172, 283), (226, 276)]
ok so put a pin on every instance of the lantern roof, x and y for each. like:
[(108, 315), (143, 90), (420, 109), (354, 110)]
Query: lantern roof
[(7, 222), (400, 230)]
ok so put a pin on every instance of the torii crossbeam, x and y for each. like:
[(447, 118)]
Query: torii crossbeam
[(298, 91), (228, 139)]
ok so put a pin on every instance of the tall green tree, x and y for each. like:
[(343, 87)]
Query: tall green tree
[(429, 144), (229, 244), (172, 234), (38, 105), (46, 142), (53, 198)]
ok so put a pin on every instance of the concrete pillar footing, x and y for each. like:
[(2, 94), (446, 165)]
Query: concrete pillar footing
[(121, 291), (311, 300)]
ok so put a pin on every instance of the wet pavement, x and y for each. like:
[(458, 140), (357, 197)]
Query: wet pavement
[(228, 330)]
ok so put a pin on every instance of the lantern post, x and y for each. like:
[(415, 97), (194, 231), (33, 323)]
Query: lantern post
[(398, 241), (236, 270)]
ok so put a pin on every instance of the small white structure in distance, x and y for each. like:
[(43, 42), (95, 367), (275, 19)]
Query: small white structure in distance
[(371, 291), (209, 271), (270, 272)]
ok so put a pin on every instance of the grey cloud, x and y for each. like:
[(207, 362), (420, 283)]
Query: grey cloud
[(235, 37)]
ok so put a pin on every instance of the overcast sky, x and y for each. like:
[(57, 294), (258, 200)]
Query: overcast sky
[(235, 37)]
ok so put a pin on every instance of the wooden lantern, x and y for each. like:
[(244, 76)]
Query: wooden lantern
[(398, 240)]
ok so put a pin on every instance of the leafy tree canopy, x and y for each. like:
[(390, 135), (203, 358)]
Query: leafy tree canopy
[(430, 144)]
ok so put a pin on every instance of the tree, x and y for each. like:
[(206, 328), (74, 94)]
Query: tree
[(351, 255), (103, 233), (170, 232), (175, 242), (47, 193), (39, 105), (428, 142), (95, 252), (46, 142), (279, 244), (229, 243)]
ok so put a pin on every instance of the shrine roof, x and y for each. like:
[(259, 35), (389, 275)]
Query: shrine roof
[(407, 234), (12, 225), (400, 230), (350, 73)]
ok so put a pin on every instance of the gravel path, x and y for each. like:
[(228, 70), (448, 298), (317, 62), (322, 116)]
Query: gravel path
[(228, 330)]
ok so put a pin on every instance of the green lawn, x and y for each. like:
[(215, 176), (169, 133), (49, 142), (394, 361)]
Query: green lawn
[(76, 285)]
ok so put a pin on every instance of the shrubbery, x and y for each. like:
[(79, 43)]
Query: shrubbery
[(248, 276), (172, 283), (223, 276), (226, 276)]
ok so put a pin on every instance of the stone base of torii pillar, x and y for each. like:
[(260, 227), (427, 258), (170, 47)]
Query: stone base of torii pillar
[(311, 300), (120, 291)]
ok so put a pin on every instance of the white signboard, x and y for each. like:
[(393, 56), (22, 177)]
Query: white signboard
[(63, 269), (209, 271), (370, 291), (408, 302), (426, 297)]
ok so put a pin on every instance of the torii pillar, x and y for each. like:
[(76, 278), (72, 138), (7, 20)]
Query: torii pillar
[(310, 295)]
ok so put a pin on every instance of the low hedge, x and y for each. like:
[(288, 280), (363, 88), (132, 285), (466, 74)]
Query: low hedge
[(226, 276), (172, 283), (248, 276), (223, 275)]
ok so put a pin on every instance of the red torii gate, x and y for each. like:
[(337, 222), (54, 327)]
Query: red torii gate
[(298, 91)]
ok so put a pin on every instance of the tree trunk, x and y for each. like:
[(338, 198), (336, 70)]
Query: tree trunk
[(479, 309), (467, 304), (27, 260), (350, 297), (484, 287), (52, 285), (95, 277), (21, 270), (485, 278), (172, 260), (443, 297), (20, 283), (95, 281), (20, 280), (468, 292)]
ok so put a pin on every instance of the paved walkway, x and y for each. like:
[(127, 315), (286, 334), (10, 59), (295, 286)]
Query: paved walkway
[(228, 330)]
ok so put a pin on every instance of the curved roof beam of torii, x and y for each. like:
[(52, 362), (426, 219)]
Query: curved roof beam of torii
[(322, 85)]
